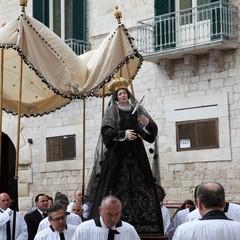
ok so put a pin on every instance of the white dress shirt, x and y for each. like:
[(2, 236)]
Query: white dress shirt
[(21, 232), (88, 230)]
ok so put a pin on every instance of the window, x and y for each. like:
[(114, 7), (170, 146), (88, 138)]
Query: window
[(185, 15), (203, 11), (179, 23), (164, 24), (41, 11), (213, 140), (61, 148), (67, 18), (200, 134)]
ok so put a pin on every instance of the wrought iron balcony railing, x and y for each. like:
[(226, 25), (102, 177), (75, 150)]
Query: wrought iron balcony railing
[(201, 25), (78, 46)]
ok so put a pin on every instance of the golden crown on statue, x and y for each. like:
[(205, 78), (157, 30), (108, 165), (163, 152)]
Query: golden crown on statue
[(117, 83)]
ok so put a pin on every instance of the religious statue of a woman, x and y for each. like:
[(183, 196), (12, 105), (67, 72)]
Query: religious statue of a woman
[(125, 169)]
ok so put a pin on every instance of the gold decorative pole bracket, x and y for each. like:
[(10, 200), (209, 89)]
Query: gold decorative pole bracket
[(118, 14), (23, 4)]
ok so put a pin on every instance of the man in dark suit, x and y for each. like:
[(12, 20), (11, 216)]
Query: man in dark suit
[(34, 218)]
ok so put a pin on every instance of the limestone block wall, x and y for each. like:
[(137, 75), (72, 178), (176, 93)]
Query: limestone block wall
[(65, 176)]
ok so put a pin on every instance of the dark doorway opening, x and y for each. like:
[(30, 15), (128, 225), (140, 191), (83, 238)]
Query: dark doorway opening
[(8, 183)]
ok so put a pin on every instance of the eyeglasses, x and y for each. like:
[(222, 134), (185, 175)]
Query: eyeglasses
[(58, 219)]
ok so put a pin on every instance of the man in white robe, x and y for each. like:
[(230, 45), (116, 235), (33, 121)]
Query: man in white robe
[(58, 228), (231, 210), (6, 215), (107, 225), (211, 202), (71, 218), (179, 218)]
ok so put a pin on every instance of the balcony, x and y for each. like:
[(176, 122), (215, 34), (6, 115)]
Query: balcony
[(210, 28), (78, 46)]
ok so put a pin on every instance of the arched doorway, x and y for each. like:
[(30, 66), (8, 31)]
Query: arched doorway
[(7, 169)]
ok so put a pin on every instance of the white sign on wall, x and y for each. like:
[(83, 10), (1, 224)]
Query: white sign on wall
[(185, 143)]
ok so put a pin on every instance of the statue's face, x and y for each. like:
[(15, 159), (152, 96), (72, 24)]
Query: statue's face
[(122, 97)]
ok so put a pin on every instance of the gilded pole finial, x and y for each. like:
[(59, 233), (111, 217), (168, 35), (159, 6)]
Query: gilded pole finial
[(118, 14), (23, 4)]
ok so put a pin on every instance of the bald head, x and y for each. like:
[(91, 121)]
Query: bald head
[(77, 208), (212, 195), (4, 201), (110, 200), (110, 210), (78, 195)]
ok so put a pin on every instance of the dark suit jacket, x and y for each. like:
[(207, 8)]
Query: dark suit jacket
[(33, 219)]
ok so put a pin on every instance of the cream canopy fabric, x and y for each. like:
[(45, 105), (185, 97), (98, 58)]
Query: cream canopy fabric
[(52, 74)]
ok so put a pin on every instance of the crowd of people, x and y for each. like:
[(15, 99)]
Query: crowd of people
[(55, 222), (64, 220)]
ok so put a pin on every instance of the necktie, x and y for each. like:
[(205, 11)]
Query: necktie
[(44, 215), (62, 236), (8, 231), (111, 234)]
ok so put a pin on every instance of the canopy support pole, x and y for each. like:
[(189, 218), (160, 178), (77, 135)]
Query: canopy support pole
[(19, 120), (84, 135), (130, 80), (1, 92), (103, 107)]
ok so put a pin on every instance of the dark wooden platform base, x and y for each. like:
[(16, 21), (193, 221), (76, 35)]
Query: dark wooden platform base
[(152, 237)]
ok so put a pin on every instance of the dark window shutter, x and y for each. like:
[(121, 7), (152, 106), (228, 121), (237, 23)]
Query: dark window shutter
[(164, 6), (224, 1), (61, 148), (218, 15), (207, 133), (41, 11), (165, 25), (53, 149), (201, 134), (79, 19), (69, 147)]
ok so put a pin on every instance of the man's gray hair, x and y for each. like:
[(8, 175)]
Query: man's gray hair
[(112, 199)]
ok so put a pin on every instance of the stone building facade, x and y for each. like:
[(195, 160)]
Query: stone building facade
[(172, 96)]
